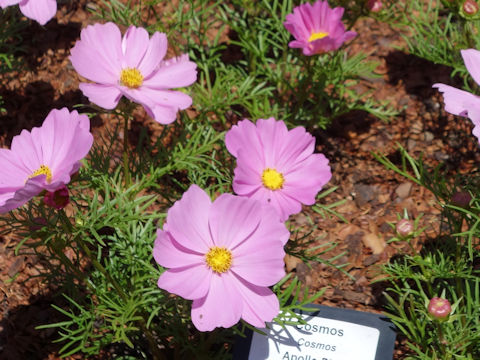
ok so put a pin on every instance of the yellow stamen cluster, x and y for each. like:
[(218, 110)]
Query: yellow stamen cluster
[(219, 259), (43, 170), (272, 179), (317, 35), (131, 78)]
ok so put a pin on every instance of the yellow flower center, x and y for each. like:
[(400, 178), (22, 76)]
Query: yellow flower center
[(42, 170), (131, 77), (317, 35), (272, 179), (219, 259)]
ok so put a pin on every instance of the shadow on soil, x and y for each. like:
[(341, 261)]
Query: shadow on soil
[(29, 110), (19, 340)]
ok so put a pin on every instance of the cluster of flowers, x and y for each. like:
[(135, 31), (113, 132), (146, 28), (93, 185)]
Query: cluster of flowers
[(224, 254)]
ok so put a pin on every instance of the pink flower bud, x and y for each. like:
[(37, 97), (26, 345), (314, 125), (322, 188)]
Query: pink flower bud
[(404, 227), (470, 7), (57, 199), (461, 199), (374, 5), (439, 308)]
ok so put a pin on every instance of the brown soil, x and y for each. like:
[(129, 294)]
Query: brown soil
[(373, 195)]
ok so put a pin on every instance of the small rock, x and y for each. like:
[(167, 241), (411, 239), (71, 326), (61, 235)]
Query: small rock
[(411, 144), (417, 127), (403, 190), (16, 266), (428, 136), (364, 193), (370, 260)]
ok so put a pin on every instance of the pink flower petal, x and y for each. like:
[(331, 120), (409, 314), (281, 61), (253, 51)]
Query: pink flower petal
[(135, 43), (305, 181), (97, 56), (157, 48), (284, 204), (170, 254), (260, 304), (39, 10), (471, 57), (187, 220), (105, 96), (245, 132), (457, 102), (177, 75), (260, 262), (222, 307), (191, 282), (233, 219), (5, 3)]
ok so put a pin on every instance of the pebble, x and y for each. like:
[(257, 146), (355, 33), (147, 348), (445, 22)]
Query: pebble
[(428, 136), (403, 190)]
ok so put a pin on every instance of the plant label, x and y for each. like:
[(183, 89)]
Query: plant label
[(328, 334)]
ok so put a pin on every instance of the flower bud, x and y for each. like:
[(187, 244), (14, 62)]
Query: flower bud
[(461, 199), (469, 8), (57, 199), (404, 227), (374, 5), (439, 308)]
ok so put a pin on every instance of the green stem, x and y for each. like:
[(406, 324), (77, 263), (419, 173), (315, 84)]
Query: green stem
[(306, 80), (126, 170)]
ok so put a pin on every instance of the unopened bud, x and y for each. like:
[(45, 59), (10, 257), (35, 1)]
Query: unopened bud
[(374, 5), (470, 7), (404, 227), (439, 308), (461, 199), (57, 199)]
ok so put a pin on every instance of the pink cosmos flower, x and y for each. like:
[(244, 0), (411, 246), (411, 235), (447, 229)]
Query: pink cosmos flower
[(317, 28), (275, 165), (133, 67), (43, 159), (463, 103), (39, 10), (223, 256)]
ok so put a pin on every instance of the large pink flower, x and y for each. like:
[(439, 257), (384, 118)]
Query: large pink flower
[(460, 102), (277, 166), (317, 28), (132, 66), (223, 256), (38, 10), (43, 159)]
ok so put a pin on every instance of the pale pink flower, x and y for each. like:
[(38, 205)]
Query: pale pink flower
[(223, 256), (134, 67), (317, 28), (277, 166), (39, 10), (43, 159), (460, 102)]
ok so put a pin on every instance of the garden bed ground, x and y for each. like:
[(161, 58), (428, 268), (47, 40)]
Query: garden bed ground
[(373, 194)]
